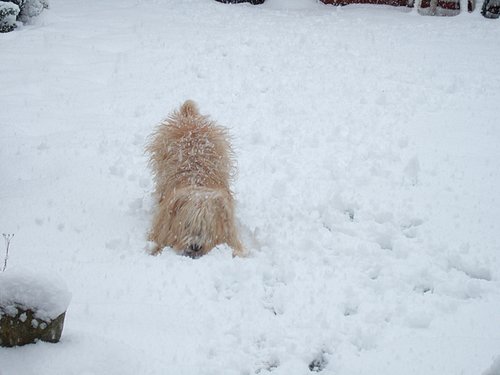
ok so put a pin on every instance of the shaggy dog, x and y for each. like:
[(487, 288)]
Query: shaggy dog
[(192, 163)]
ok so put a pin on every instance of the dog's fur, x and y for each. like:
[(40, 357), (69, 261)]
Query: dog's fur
[(193, 165)]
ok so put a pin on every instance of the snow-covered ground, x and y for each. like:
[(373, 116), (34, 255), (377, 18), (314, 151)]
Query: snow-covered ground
[(367, 141)]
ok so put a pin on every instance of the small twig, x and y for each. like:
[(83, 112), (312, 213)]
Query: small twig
[(7, 238)]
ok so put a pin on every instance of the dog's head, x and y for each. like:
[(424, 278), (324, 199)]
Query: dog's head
[(194, 250), (201, 219)]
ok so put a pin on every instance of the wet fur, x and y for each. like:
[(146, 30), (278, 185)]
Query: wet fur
[(193, 165)]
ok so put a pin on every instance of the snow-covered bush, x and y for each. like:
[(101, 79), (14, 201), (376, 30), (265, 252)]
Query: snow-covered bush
[(28, 8), (8, 14), (491, 9)]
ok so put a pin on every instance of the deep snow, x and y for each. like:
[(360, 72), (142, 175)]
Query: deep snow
[(367, 146)]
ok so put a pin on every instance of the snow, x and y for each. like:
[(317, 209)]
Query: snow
[(46, 295), (367, 147)]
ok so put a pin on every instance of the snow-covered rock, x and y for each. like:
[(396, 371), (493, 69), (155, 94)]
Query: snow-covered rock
[(32, 307)]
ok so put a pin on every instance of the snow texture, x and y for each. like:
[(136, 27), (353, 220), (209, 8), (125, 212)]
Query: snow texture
[(47, 296), (367, 194)]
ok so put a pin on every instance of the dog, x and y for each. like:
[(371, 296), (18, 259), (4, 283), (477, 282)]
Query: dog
[(193, 165)]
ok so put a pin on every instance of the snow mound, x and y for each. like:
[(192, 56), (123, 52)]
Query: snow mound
[(47, 296)]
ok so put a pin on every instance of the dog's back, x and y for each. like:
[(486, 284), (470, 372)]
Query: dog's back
[(188, 149)]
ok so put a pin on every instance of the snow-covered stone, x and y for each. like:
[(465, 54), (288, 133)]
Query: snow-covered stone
[(32, 307)]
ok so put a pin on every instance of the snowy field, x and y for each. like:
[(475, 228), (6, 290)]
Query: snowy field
[(367, 141)]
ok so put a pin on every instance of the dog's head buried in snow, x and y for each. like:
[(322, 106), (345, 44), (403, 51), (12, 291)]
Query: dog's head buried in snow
[(192, 163)]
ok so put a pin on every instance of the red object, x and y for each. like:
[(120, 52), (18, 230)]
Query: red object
[(396, 3), (254, 2), (439, 7), (450, 5)]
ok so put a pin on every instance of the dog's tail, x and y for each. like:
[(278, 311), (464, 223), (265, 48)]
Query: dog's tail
[(189, 108)]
